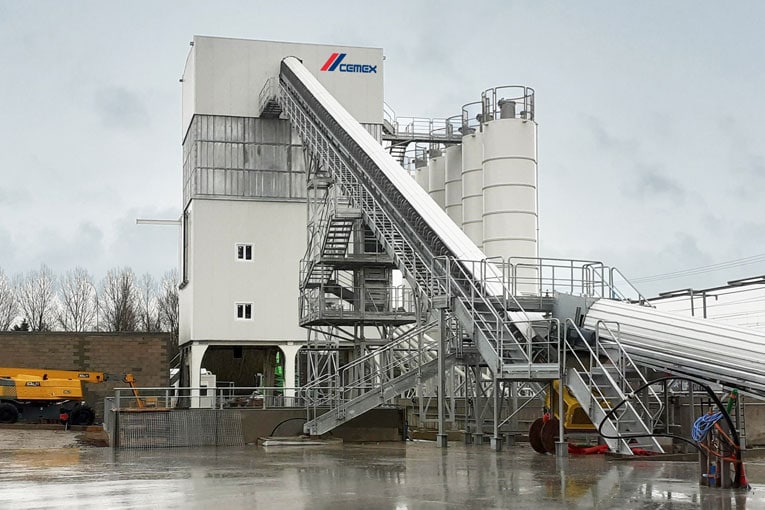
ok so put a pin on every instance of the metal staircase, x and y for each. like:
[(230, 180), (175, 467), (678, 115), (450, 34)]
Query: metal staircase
[(373, 379), (398, 151), (334, 227), (600, 376)]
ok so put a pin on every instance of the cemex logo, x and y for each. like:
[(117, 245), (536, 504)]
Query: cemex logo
[(335, 62)]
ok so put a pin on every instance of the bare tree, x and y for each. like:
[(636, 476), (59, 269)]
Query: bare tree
[(118, 300), (79, 301), (36, 297), (148, 315), (8, 306), (167, 303)]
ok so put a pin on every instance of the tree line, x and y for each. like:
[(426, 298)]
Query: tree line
[(39, 300)]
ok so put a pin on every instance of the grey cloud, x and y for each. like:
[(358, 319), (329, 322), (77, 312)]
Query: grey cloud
[(84, 247), (606, 140), (120, 108), (653, 184), (145, 248), (7, 252), (13, 196)]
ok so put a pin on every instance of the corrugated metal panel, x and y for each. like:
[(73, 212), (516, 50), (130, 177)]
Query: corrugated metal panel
[(242, 157), (297, 159)]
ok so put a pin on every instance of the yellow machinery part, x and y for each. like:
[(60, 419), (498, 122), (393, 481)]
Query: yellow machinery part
[(36, 388), (574, 416), (44, 373)]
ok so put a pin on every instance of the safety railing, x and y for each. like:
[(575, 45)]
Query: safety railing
[(319, 227), (508, 101), (268, 94), (479, 286), (421, 128), (471, 117), (205, 397), (314, 392), (415, 156), (570, 276), (329, 301), (409, 351), (654, 406)]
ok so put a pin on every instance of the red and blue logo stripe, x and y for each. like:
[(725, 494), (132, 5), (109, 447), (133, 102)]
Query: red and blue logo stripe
[(333, 61)]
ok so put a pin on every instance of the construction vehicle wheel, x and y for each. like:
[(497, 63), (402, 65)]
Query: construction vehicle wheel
[(549, 435), (535, 435), (8, 413), (82, 415)]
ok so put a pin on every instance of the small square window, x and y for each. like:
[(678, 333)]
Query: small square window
[(244, 311), (244, 252)]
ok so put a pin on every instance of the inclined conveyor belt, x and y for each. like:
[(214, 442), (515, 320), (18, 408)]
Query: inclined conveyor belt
[(419, 217), (699, 348)]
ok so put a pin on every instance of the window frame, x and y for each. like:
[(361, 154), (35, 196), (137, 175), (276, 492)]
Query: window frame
[(244, 306), (244, 247)]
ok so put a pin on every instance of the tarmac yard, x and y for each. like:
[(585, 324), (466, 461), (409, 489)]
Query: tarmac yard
[(56, 469)]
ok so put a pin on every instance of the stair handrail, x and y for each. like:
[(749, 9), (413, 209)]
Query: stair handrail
[(269, 92), (592, 386), (456, 269), (625, 357), (317, 239), (343, 389), (641, 299), (392, 345), (599, 398)]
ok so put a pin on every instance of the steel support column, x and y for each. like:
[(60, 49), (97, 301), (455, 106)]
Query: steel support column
[(441, 439)]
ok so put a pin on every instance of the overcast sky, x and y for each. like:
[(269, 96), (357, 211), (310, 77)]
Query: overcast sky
[(650, 119)]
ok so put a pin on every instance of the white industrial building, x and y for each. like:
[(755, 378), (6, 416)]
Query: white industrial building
[(244, 194)]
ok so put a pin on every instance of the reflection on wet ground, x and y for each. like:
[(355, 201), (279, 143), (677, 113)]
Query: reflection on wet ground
[(394, 475)]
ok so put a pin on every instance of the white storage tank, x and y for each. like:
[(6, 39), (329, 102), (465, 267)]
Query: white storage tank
[(437, 176), (510, 211), (421, 173), (472, 187), (453, 183)]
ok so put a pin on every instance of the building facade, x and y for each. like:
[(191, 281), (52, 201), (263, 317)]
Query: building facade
[(244, 202)]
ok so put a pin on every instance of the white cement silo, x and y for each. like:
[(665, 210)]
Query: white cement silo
[(421, 173), (437, 176), (453, 184), (472, 187), (510, 210)]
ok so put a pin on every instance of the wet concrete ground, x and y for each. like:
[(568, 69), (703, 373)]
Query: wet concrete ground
[(380, 476)]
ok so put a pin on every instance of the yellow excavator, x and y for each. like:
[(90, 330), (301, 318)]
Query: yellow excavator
[(38, 394)]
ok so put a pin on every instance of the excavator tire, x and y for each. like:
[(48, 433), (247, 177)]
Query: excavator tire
[(82, 415), (8, 413)]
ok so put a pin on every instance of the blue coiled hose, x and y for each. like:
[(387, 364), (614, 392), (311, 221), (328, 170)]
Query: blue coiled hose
[(703, 424)]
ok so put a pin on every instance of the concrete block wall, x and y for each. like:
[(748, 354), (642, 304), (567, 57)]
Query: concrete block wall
[(145, 355)]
